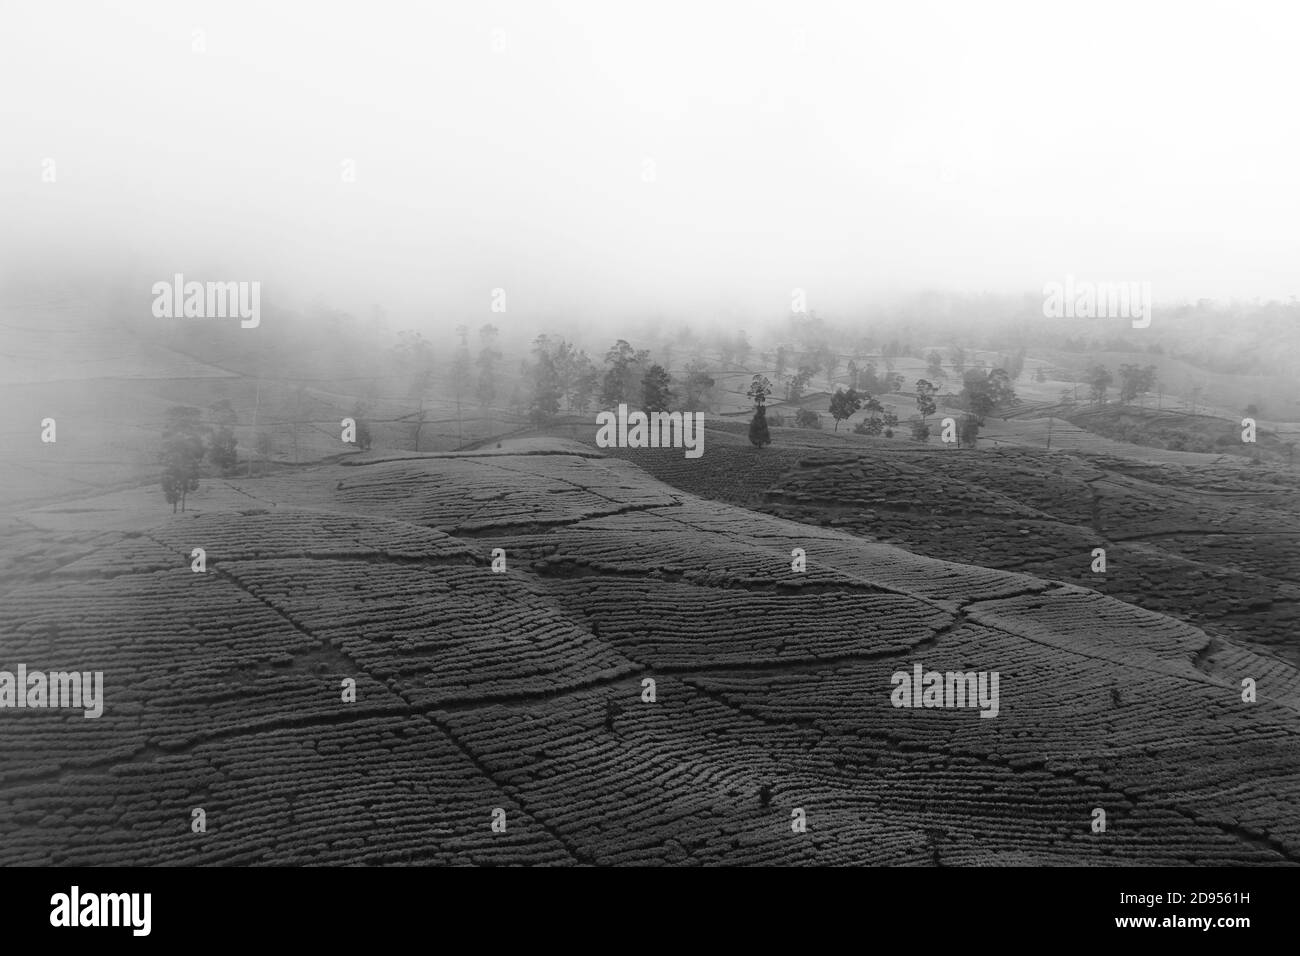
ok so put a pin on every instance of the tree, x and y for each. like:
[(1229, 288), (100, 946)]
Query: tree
[(585, 380), (575, 375), (877, 383), (983, 392), (807, 418), (742, 348), (758, 432), (221, 450), (873, 424), (568, 361), (828, 360), (488, 356), (182, 453), (1099, 379), (759, 389), (980, 404), (221, 447), (623, 376), (299, 392), (546, 390), (890, 421), (958, 359), (172, 485), (925, 404), (697, 388), (795, 387), (1014, 364), (934, 364), (257, 406), (726, 351), (867, 381), (656, 390), (415, 357), (1000, 388), (1135, 381), (460, 378), (265, 445), (844, 404)]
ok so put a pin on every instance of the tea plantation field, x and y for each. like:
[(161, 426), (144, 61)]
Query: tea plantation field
[(537, 655)]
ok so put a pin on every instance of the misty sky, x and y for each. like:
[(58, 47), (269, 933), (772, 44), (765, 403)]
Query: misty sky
[(849, 149)]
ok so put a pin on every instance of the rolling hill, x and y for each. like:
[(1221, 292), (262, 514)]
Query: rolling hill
[(524, 691)]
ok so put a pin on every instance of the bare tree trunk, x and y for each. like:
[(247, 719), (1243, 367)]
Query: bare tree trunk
[(297, 416), (257, 404)]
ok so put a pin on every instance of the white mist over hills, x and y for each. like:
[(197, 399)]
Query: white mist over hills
[(696, 161)]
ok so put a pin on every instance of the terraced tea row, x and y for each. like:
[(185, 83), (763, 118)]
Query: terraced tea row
[(527, 690)]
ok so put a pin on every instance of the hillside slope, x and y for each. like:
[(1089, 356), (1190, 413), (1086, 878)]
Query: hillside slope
[(523, 690), (1215, 543)]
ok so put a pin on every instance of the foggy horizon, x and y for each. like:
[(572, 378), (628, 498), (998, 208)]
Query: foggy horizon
[(694, 162)]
